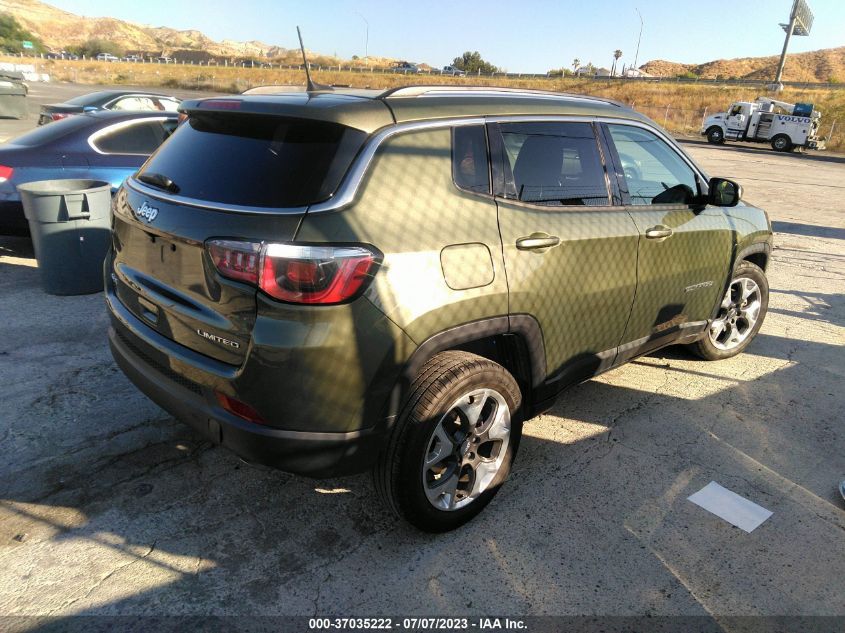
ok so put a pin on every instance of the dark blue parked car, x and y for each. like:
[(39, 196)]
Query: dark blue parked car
[(99, 145)]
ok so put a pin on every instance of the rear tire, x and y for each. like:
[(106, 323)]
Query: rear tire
[(453, 444), (715, 135), (782, 143), (740, 315)]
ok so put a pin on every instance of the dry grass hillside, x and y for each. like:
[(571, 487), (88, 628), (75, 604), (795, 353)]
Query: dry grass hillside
[(827, 65), (60, 29), (678, 107)]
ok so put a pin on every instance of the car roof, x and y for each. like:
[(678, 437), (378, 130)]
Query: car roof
[(129, 114), (84, 124), (368, 109), (105, 95)]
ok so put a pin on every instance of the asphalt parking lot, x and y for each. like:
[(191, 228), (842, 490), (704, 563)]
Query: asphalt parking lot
[(110, 506)]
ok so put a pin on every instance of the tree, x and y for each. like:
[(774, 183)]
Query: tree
[(13, 35), (472, 62), (95, 46), (616, 55), (576, 64)]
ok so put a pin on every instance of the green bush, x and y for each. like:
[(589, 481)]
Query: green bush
[(12, 36)]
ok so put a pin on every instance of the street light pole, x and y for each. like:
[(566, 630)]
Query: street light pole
[(366, 35), (637, 54)]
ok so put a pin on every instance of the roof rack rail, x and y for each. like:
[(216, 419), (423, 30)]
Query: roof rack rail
[(441, 90)]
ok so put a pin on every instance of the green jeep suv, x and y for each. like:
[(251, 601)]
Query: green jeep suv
[(338, 281)]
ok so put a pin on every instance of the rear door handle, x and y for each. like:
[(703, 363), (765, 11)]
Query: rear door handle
[(537, 241), (658, 232)]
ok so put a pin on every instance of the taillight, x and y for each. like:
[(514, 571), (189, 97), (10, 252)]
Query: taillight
[(58, 116), (6, 173), (297, 273), (236, 260)]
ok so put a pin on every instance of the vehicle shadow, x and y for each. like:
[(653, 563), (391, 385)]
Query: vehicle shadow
[(808, 230)]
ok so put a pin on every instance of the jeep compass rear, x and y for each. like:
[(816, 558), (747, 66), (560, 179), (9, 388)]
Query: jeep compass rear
[(226, 322)]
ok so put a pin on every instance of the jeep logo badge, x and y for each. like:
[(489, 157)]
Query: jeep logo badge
[(218, 339), (146, 212)]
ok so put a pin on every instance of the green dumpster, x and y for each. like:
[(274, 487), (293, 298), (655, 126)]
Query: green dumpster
[(12, 95), (70, 224)]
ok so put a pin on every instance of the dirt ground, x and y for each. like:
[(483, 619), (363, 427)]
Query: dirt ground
[(110, 506)]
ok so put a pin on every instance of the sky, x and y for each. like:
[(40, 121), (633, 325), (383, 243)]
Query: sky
[(519, 36)]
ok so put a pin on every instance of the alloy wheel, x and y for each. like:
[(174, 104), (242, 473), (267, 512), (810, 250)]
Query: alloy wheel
[(466, 449), (738, 314)]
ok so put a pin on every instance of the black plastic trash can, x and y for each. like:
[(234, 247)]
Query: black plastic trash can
[(70, 225)]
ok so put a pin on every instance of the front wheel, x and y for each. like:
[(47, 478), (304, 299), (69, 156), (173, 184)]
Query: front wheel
[(453, 445), (715, 135), (740, 316)]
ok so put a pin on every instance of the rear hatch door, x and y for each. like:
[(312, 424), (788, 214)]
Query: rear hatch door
[(222, 175)]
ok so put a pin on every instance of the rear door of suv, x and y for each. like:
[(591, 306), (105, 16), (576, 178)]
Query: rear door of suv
[(570, 246), (685, 248)]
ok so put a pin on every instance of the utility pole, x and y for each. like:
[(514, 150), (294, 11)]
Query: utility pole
[(366, 35), (637, 54)]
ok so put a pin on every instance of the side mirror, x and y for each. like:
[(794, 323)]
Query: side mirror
[(724, 193)]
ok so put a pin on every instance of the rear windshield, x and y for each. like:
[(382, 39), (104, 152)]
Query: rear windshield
[(256, 161)]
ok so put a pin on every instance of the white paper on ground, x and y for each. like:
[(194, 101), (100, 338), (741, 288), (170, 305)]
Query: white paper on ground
[(736, 510)]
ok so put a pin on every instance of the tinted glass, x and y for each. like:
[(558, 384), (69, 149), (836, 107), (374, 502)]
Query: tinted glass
[(469, 159), (555, 164), (654, 172), (137, 138), (257, 161)]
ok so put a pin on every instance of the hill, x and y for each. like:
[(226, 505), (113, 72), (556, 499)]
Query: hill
[(59, 29), (826, 65)]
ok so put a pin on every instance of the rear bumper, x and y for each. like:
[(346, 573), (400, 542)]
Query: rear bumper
[(313, 454)]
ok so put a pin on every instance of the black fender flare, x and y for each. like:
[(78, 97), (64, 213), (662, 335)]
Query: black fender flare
[(752, 249), (523, 325)]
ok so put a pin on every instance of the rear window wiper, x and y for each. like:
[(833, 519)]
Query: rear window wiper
[(159, 181)]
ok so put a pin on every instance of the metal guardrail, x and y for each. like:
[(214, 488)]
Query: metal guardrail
[(550, 76)]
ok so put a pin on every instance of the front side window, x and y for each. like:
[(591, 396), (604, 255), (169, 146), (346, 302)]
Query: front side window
[(553, 164), (469, 159), (654, 172), (137, 138)]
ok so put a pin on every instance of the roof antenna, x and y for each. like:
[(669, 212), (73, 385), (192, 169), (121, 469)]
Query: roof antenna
[(310, 85)]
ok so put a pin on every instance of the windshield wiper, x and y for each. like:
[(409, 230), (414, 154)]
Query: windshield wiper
[(159, 181)]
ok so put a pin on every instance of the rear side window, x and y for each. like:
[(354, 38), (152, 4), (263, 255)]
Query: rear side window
[(255, 160), (553, 164), (469, 159), (137, 138)]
